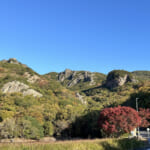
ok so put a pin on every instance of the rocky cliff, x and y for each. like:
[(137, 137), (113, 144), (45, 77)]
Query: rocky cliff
[(16, 86), (75, 77), (11, 61), (118, 78)]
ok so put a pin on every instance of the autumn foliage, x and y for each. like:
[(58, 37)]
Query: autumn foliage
[(118, 120), (145, 117)]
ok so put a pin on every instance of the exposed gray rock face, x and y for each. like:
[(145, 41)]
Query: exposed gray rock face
[(32, 92), (92, 82), (16, 86), (75, 77), (81, 98), (30, 78), (64, 75), (13, 61), (119, 81), (74, 82)]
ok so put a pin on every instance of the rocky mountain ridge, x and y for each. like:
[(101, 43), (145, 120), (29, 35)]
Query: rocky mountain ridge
[(80, 80), (75, 77), (77, 80)]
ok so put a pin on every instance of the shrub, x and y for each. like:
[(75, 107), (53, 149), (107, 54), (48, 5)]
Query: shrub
[(48, 129), (145, 117), (31, 128), (113, 122)]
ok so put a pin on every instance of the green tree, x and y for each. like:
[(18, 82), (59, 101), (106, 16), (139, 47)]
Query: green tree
[(48, 129), (8, 128), (30, 128)]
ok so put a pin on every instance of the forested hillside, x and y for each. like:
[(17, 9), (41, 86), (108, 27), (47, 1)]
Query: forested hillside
[(65, 104), (142, 75)]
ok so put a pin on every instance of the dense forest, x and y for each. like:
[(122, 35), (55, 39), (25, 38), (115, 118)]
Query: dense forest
[(63, 105)]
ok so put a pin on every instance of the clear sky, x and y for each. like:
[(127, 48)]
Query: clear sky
[(94, 35)]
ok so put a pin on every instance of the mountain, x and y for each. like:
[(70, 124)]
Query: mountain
[(65, 104), (142, 75), (17, 77), (78, 80)]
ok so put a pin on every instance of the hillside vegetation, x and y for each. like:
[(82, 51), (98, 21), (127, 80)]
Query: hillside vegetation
[(142, 75), (63, 105)]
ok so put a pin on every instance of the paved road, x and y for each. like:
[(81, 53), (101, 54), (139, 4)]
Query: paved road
[(144, 134), (144, 148)]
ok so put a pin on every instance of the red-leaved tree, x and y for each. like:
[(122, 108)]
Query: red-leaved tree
[(118, 120), (145, 117)]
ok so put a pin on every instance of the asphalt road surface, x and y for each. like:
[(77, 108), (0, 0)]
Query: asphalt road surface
[(145, 134), (143, 148)]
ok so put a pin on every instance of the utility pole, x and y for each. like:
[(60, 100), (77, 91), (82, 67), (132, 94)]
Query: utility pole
[(137, 111), (137, 104)]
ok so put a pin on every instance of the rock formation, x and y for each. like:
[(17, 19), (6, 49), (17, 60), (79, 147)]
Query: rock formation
[(32, 92), (81, 98), (13, 61), (118, 78), (16, 86), (74, 77), (31, 78), (65, 75)]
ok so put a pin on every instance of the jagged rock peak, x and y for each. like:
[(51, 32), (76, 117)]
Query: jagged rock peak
[(67, 73), (11, 61), (75, 77), (117, 78), (64, 75)]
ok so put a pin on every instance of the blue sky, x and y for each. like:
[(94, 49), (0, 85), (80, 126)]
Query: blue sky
[(94, 35)]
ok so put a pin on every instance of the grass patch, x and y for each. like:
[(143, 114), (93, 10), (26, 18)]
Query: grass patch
[(104, 144)]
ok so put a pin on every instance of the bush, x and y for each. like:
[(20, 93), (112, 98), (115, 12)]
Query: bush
[(48, 129), (30, 128), (116, 121)]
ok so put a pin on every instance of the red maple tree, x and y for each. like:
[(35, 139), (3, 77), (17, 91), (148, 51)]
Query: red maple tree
[(145, 117), (118, 120)]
